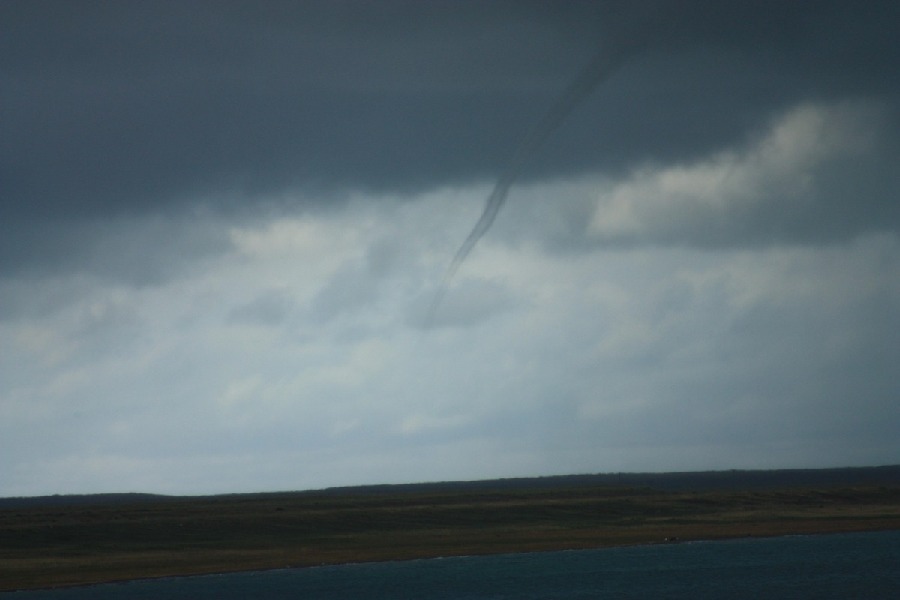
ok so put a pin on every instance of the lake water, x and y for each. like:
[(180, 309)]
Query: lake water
[(858, 565)]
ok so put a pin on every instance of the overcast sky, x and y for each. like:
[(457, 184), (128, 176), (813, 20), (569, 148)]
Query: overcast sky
[(223, 226)]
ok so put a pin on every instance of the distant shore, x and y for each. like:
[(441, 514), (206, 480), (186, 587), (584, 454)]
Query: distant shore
[(58, 544)]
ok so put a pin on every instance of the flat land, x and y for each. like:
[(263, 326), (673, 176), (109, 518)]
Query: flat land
[(72, 544)]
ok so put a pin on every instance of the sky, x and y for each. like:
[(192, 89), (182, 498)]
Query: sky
[(226, 229)]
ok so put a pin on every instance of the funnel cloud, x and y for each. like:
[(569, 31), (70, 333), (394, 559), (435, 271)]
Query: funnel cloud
[(604, 63)]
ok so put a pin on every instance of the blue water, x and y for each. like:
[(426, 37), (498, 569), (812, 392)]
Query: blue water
[(859, 565)]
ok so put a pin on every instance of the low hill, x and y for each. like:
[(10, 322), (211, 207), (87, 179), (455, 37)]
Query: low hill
[(697, 481)]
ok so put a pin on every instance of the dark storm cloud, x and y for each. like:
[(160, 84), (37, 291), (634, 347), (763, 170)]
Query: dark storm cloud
[(132, 108)]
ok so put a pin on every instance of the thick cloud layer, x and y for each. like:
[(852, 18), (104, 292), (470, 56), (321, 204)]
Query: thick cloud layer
[(143, 107), (222, 226)]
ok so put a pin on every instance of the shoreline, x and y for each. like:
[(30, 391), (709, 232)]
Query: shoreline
[(58, 547), (676, 542)]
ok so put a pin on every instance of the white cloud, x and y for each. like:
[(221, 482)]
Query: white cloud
[(776, 174)]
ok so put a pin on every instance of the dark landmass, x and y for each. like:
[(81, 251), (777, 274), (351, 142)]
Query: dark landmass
[(70, 540)]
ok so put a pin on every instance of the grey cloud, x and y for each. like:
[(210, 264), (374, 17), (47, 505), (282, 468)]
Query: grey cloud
[(352, 287), (464, 304), (360, 282), (270, 308), (117, 110), (124, 108), (781, 379), (138, 251), (653, 359)]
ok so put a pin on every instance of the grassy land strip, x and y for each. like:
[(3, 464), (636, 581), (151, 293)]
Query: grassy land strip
[(68, 545)]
